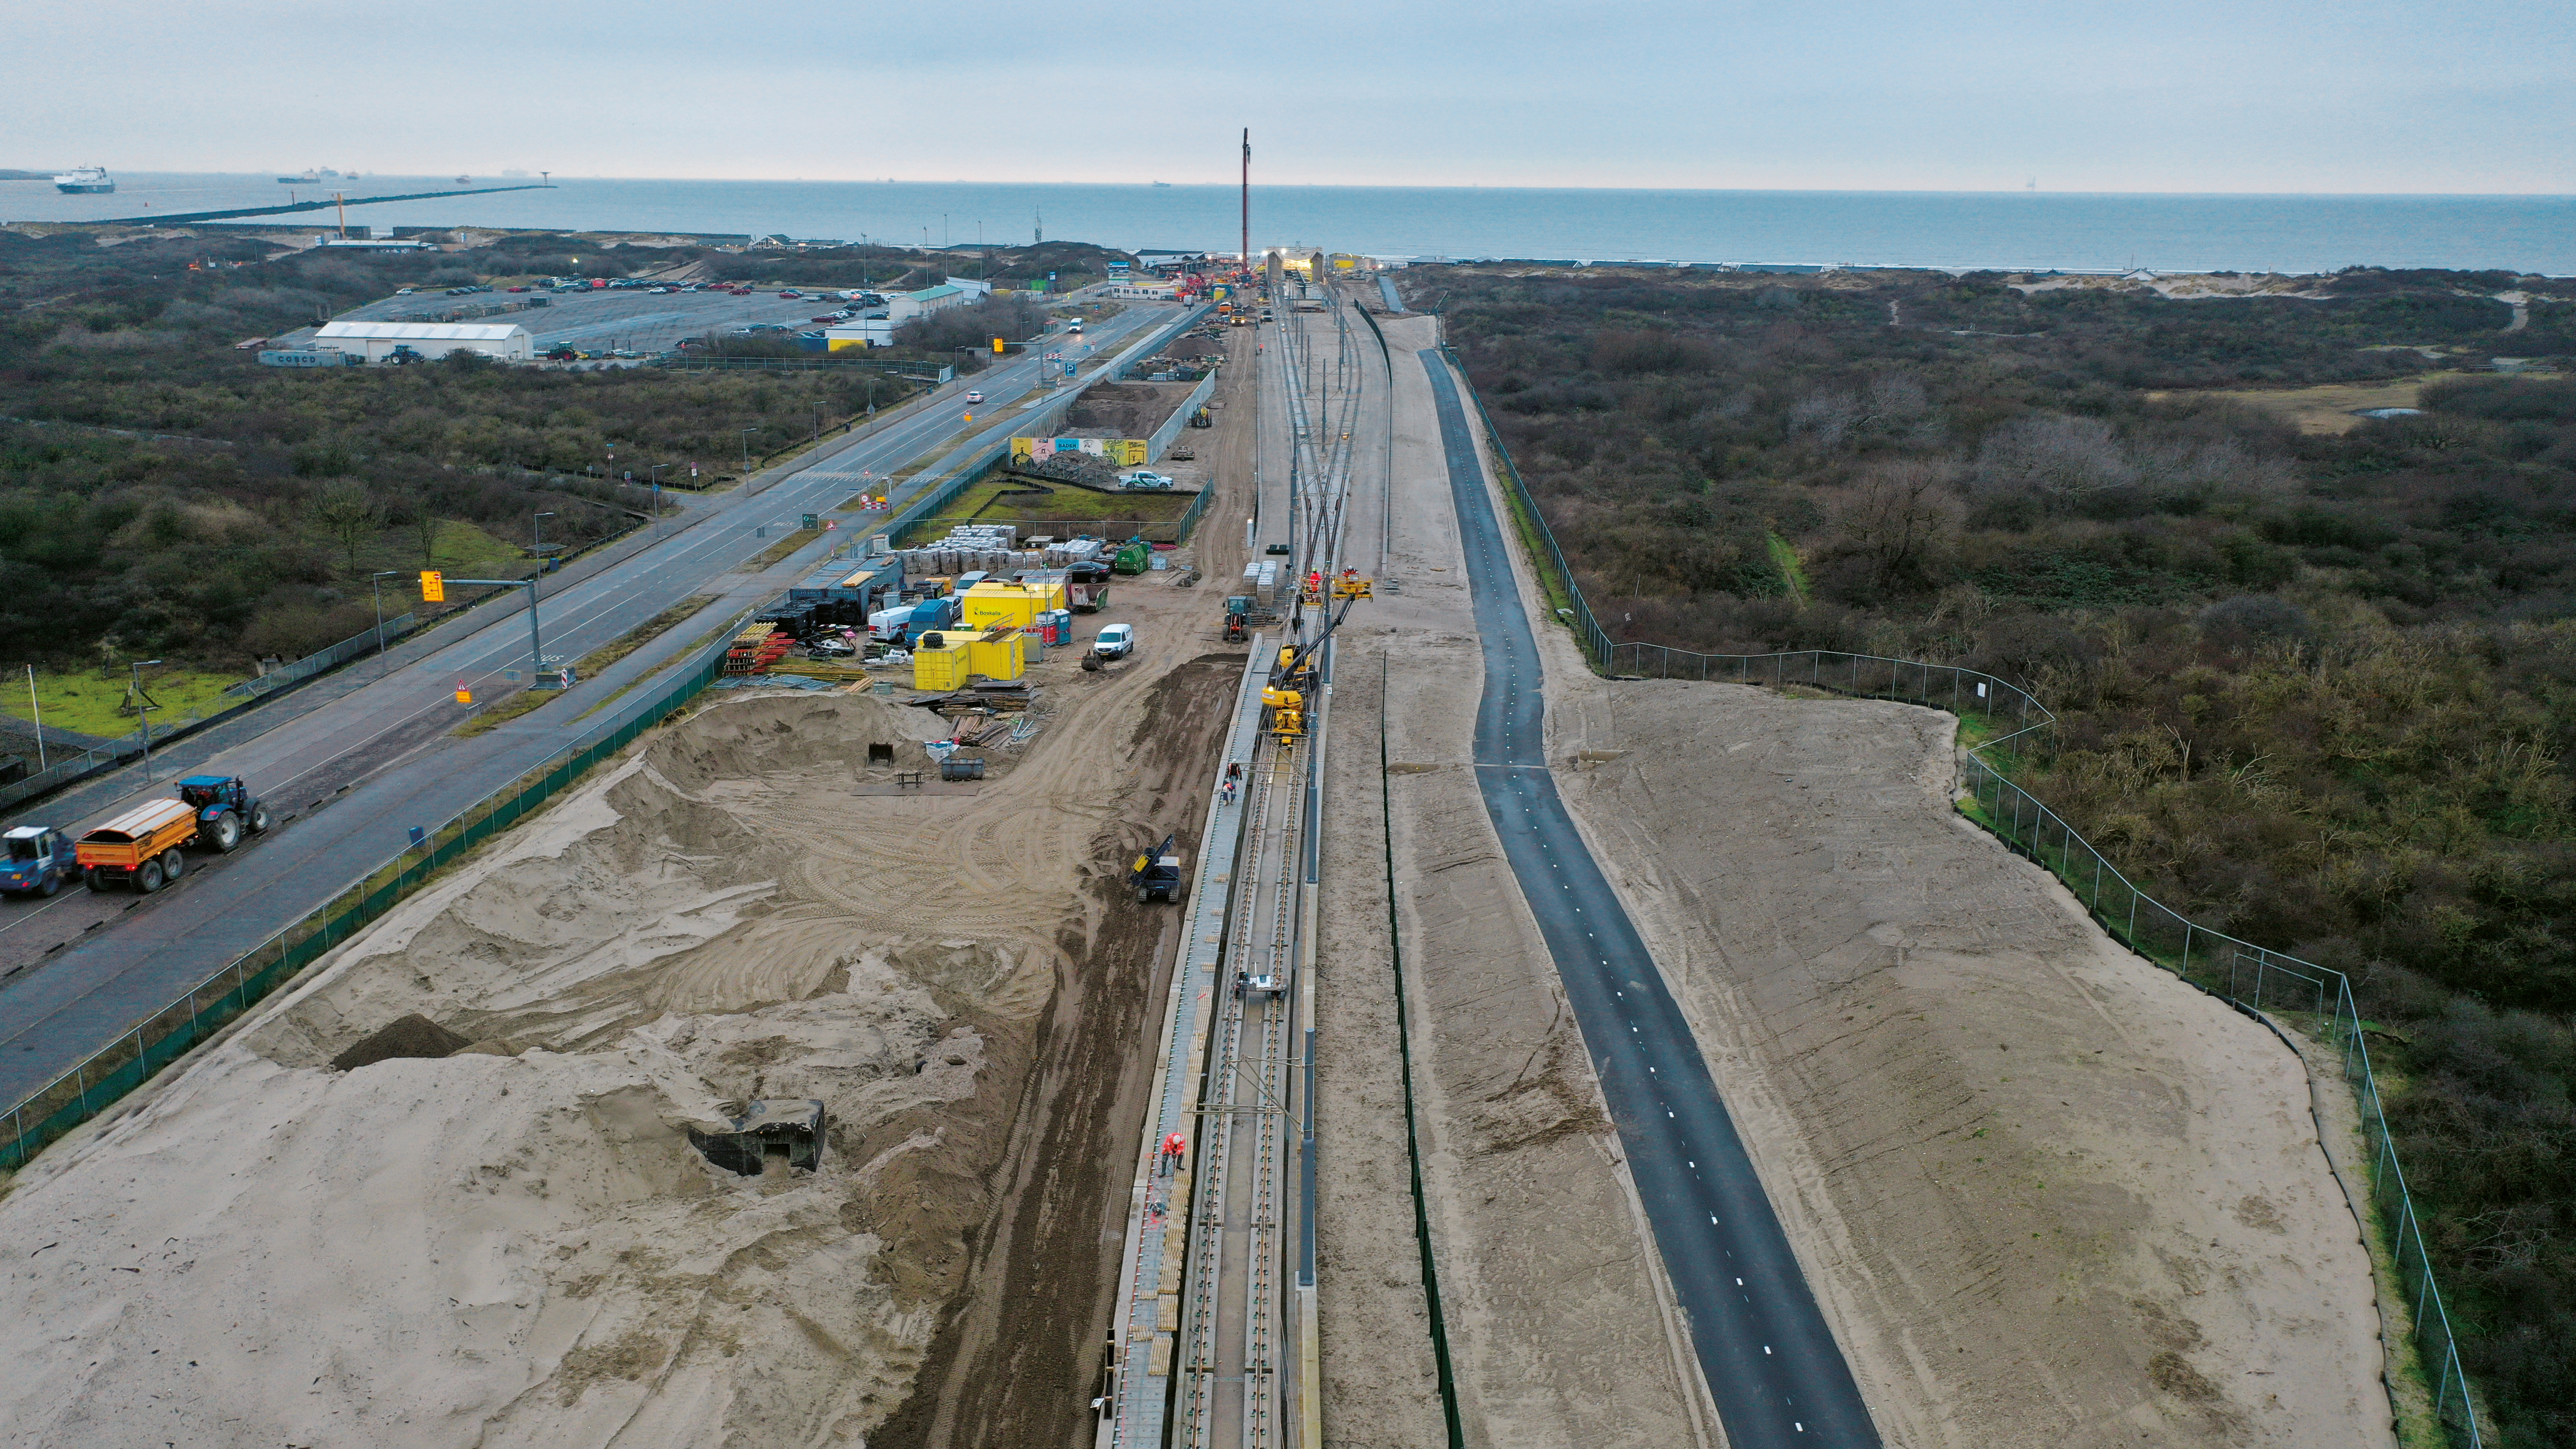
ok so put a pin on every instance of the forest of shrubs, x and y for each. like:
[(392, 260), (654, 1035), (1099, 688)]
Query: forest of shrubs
[(2318, 688), (164, 495)]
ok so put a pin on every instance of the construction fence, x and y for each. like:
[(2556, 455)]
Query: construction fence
[(222, 997), (2279, 990)]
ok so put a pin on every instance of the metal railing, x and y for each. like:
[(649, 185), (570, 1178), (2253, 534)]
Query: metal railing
[(69, 768), (169, 1033), (2266, 984), (331, 658)]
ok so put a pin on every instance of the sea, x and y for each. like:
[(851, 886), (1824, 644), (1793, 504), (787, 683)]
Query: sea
[(2015, 230)]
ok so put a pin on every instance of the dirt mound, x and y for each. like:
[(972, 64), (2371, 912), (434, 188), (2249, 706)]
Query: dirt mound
[(405, 1036), (1125, 409), (519, 1244), (1088, 468)]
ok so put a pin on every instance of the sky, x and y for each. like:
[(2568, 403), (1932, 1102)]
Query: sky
[(2384, 96)]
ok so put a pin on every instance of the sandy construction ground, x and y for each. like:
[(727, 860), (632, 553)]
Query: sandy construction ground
[(1547, 1280), (2048, 1193), (518, 1245)]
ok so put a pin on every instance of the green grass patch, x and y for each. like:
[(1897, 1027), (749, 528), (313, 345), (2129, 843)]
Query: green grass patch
[(500, 712), (1793, 573), (633, 639), (95, 701), (991, 500), (795, 539), (527, 701)]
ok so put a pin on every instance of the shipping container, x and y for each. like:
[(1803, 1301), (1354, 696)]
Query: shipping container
[(999, 654), (943, 666)]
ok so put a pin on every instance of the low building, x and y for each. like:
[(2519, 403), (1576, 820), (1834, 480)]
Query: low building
[(862, 332), (1162, 261), (904, 306), (376, 341), (975, 291)]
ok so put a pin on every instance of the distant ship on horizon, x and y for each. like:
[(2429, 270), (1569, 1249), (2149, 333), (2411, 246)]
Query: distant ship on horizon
[(313, 176), (84, 180)]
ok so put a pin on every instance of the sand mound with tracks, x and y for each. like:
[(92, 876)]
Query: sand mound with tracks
[(517, 1244)]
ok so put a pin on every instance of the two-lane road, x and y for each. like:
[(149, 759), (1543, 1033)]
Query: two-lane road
[(389, 739), (1763, 1345)]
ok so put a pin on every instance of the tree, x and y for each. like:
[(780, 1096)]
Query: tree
[(346, 514), (1899, 517)]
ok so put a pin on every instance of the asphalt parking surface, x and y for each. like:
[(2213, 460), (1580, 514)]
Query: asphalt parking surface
[(633, 319)]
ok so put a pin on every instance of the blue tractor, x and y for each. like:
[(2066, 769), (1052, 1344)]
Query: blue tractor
[(225, 810)]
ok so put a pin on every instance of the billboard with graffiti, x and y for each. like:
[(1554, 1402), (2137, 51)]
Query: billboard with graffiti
[(1125, 452)]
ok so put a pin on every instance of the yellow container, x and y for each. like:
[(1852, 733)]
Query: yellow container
[(1001, 654), (1051, 596), (995, 606), (945, 667)]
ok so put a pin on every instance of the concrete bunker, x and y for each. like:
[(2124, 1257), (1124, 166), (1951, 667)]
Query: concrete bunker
[(787, 1131)]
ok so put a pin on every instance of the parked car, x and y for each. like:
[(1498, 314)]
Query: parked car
[(791, 294), (402, 291), (1116, 641), (523, 289)]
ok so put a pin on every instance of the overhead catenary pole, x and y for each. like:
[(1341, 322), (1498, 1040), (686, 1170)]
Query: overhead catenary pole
[(1247, 198)]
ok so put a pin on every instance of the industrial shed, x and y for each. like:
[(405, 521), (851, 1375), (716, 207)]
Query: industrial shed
[(376, 341)]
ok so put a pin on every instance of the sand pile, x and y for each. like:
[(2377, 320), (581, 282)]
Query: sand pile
[(2048, 1193), (516, 1244)]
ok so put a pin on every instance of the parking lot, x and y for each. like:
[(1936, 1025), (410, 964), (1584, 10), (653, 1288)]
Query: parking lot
[(604, 320)]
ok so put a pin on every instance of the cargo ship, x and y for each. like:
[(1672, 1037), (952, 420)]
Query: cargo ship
[(83, 180)]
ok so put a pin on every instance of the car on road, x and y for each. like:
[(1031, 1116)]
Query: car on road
[(402, 291), (975, 395), (1115, 642)]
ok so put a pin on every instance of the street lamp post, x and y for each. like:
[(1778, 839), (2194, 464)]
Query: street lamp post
[(654, 475), (538, 523), (375, 582), (746, 460), (143, 711)]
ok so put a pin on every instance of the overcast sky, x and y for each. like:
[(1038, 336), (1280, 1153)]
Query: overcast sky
[(2354, 96)]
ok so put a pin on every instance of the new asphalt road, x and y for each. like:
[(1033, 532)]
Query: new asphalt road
[(1770, 1361), (375, 760)]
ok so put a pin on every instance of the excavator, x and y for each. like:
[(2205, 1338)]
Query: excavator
[(1156, 875)]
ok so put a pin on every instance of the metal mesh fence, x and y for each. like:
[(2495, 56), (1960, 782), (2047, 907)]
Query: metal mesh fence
[(169, 1033), (2312, 999), (68, 768)]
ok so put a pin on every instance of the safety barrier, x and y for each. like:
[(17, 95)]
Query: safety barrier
[(1171, 429), (314, 663), (2265, 984), (223, 996)]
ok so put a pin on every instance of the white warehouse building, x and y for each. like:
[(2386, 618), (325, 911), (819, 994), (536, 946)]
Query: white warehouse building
[(376, 341)]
